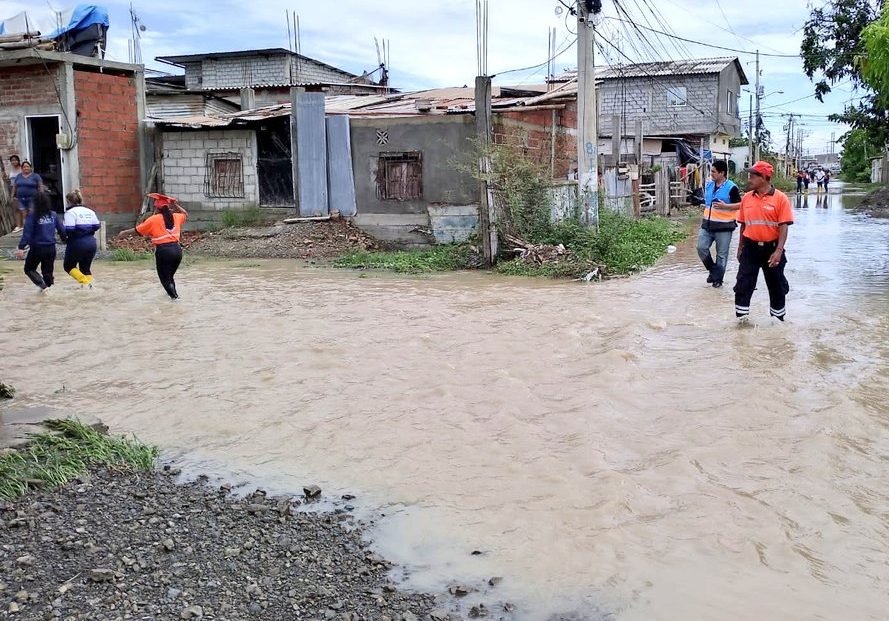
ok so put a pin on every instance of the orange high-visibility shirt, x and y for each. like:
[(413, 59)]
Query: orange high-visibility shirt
[(155, 228), (763, 214)]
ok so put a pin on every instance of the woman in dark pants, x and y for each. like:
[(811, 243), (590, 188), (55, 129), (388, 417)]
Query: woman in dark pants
[(164, 228), (81, 224), (39, 236)]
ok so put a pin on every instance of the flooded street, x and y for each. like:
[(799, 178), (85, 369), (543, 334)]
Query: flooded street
[(618, 450)]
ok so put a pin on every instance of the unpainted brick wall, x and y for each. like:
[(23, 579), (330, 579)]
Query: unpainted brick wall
[(532, 132), (22, 87), (108, 142)]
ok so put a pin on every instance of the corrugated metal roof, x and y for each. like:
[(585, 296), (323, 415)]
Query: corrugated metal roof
[(695, 66)]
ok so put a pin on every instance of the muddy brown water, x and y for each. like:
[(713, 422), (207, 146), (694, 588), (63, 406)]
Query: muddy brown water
[(618, 450)]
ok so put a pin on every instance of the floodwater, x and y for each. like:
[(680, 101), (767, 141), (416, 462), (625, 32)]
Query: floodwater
[(618, 451)]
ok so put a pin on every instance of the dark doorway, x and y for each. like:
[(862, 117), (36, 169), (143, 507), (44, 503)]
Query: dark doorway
[(275, 164), (46, 157)]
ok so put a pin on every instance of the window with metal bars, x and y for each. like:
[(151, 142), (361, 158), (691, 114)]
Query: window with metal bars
[(225, 176), (400, 176)]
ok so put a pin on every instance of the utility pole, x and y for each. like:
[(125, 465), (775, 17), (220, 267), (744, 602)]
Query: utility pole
[(587, 118), (750, 133), (788, 148), (758, 120)]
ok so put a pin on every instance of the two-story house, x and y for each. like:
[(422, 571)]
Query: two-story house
[(695, 100), (271, 73)]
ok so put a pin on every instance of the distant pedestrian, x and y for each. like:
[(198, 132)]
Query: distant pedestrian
[(39, 237), (826, 180), (81, 224), (15, 167), (765, 216), (801, 180), (819, 179), (24, 187), (721, 202), (164, 228)]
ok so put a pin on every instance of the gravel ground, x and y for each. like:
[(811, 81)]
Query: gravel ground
[(116, 545)]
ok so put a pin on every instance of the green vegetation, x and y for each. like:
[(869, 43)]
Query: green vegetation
[(875, 63), (436, 259), (623, 245), (6, 391), (858, 148), (252, 216), (125, 254), (54, 458)]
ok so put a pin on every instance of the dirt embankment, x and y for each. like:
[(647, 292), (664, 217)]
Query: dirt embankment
[(876, 204)]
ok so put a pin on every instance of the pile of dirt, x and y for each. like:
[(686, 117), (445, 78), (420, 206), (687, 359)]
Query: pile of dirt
[(876, 204), (301, 240)]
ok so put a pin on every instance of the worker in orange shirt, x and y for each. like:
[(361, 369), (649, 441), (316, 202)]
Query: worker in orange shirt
[(164, 228), (764, 217)]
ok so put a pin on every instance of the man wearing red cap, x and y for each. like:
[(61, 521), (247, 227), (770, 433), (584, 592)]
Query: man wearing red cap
[(764, 217)]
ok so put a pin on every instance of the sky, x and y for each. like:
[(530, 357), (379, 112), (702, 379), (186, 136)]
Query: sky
[(433, 44)]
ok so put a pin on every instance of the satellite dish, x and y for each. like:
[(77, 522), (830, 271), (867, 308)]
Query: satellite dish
[(558, 11), (142, 27)]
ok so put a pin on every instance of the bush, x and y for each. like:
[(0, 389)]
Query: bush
[(252, 216)]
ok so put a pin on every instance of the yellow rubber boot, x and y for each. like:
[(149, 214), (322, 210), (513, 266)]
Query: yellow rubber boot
[(89, 280), (77, 275)]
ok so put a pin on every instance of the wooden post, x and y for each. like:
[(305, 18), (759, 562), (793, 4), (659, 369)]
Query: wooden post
[(636, 181), (486, 215), (616, 139)]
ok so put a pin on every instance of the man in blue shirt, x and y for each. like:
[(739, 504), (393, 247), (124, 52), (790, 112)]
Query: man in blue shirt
[(722, 199)]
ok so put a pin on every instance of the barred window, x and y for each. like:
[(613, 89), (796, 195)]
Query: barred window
[(225, 175), (677, 96), (400, 176)]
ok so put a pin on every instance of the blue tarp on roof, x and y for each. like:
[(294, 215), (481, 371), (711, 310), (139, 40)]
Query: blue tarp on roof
[(84, 16)]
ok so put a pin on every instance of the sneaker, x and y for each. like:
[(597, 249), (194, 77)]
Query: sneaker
[(17, 229), (710, 278), (717, 284), (744, 320)]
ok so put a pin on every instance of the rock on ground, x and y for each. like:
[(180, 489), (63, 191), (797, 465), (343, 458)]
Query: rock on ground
[(876, 204), (119, 545)]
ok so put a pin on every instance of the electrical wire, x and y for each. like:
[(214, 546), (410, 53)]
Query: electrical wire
[(538, 66)]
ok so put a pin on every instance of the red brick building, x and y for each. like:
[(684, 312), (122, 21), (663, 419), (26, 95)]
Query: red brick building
[(77, 119)]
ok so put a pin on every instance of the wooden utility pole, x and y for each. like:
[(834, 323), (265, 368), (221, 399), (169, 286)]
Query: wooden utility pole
[(757, 133), (587, 126)]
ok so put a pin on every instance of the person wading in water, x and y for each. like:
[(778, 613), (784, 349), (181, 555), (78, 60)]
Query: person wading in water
[(721, 199), (164, 228)]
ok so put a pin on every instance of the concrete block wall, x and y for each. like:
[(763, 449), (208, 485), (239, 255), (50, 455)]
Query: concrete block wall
[(308, 72), (185, 166), (24, 91), (646, 98), (108, 141), (244, 71)]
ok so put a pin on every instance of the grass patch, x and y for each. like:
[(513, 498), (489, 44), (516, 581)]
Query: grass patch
[(252, 216), (53, 459), (436, 259), (622, 244), (125, 254)]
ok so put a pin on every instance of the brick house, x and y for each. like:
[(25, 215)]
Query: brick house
[(77, 119)]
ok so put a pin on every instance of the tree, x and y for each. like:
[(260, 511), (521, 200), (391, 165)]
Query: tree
[(858, 148), (875, 63), (832, 49)]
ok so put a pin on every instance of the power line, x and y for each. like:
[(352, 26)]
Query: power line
[(718, 47), (546, 62)]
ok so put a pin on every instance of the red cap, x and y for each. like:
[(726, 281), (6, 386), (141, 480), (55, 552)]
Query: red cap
[(161, 200), (763, 168)]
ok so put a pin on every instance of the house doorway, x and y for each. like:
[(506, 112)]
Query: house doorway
[(46, 157), (274, 164)]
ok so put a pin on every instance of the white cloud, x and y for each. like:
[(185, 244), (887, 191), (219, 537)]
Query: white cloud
[(434, 43)]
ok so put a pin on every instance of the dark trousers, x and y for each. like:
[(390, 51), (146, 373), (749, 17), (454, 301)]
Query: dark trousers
[(755, 257), (43, 256), (167, 258), (80, 253)]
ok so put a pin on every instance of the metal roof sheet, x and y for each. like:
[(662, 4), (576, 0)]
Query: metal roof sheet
[(693, 66)]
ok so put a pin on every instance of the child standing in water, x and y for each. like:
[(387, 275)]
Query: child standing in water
[(164, 228), (39, 236), (81, 224)]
